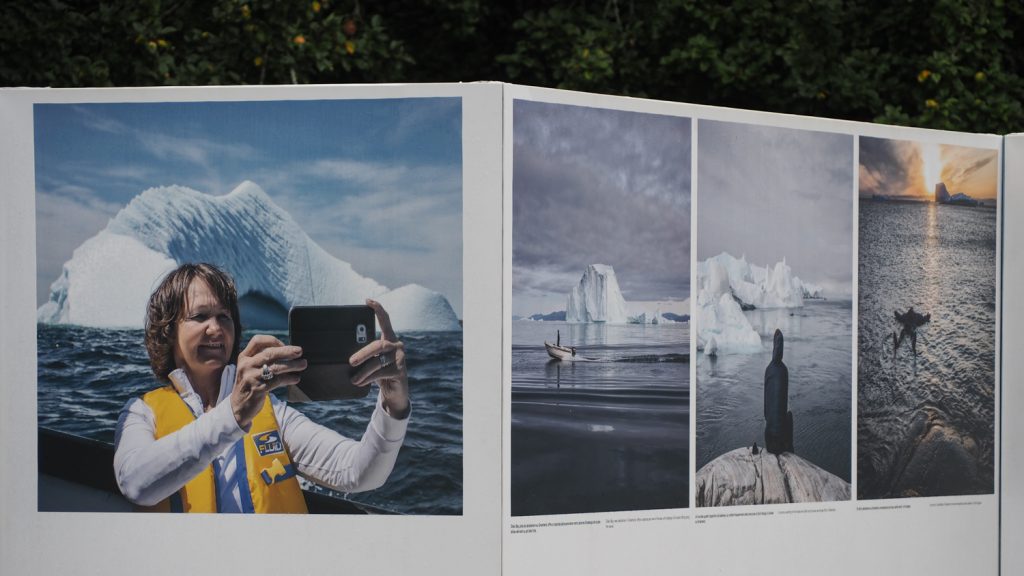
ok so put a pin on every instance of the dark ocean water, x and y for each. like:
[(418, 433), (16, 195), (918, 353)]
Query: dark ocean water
[(817, 352), (609, 432), (926, 422), (86, 375)]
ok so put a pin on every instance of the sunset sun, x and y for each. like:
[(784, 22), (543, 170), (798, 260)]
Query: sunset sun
[(931, 167)]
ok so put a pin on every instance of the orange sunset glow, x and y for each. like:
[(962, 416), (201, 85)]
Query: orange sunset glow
[(911, 170)]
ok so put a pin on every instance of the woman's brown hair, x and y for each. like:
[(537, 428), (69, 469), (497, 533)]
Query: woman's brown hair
[(167, 307)]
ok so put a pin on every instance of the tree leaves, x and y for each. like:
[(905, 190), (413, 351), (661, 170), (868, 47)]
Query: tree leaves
[(856, 59)]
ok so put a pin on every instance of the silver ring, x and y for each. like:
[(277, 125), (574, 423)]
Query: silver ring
[(267, 374)]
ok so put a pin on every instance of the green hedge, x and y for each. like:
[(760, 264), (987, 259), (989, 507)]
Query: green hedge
[(941, 64)]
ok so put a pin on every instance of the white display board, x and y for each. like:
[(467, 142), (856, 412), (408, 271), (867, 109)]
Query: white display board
[(658, 246), (360, 143), (1011, 497), (781, 193)]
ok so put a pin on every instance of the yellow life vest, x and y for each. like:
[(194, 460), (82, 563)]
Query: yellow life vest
[(273, 487)]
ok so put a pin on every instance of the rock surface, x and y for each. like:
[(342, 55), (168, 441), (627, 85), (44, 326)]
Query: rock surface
[(741, 477)]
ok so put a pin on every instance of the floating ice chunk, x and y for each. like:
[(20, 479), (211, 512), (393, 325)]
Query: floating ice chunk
[(722, 325), (419, 309), (724, 282)]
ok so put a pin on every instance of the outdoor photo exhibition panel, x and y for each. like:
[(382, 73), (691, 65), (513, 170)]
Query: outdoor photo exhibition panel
[(819, 375), (1012, 447), (640, 335), (304, 196)]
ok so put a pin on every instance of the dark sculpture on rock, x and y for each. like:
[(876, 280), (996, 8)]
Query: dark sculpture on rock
[(778, 427)]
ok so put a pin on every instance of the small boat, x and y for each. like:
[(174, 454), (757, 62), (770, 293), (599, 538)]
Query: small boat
[(560, 352)]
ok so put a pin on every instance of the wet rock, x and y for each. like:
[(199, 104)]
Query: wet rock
[(742, 477)]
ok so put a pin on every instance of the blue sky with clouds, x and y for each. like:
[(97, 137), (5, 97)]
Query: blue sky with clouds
[(377, 183)]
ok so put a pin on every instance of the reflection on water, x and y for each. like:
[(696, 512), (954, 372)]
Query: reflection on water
[(607, 432), (926, 422), (730, 387)]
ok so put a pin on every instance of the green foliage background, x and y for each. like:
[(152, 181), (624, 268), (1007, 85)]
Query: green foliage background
[(953, 64)]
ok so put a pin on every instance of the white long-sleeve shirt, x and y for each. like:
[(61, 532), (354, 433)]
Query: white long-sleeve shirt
[(149, 470)]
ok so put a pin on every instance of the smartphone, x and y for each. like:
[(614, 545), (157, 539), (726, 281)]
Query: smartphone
[(329, 335)]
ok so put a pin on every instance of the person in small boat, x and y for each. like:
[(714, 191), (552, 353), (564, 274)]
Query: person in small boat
[(558, 337), (910, 322), (213, 438), (778, 427)]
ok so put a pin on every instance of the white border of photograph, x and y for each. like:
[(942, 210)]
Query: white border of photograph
[(107, 543), (1012, 430)]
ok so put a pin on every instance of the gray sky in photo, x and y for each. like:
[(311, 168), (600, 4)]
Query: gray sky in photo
[(598, 186), (773, 193)]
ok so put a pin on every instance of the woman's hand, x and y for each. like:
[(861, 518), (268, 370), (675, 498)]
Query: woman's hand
[(384, 361), (283, 362)]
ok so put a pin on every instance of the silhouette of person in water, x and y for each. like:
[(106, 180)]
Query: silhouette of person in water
[(778, 427), (558, 337), (911, 321)]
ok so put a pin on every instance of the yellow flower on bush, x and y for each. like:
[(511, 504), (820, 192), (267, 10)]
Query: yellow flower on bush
[(979, 76), (300, 40), (350, 47), (161, 43), (316, 7), (923, 75), (246, 12), (257, 61), (931, 103), (151, 45)]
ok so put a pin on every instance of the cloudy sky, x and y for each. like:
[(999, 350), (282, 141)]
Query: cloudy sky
[(598, 186), (773, 193), (904, 168), (377, 183)]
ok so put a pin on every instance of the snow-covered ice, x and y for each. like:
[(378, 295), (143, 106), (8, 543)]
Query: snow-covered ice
[(724, 282), (109, 278), (596, 298)]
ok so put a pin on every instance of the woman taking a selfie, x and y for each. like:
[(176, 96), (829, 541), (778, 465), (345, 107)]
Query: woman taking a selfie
[(213, 438)]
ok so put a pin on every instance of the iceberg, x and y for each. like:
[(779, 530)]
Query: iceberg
[(810, 291), (275, 264), (769, 287), (727, 284), (942, 196), (721, 321), (597, 298)]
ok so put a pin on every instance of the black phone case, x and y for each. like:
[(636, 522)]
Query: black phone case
[(329, 335)]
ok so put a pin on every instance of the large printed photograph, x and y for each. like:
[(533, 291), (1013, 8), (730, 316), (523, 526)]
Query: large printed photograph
[(774, 315), (926, 319), (174, 240), (600, 310)]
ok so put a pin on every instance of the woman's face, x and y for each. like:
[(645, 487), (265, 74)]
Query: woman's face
[(206, 333)]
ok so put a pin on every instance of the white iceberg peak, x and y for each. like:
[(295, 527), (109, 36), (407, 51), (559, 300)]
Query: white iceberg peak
[(109, 278), (724, 281), (597, 297)]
